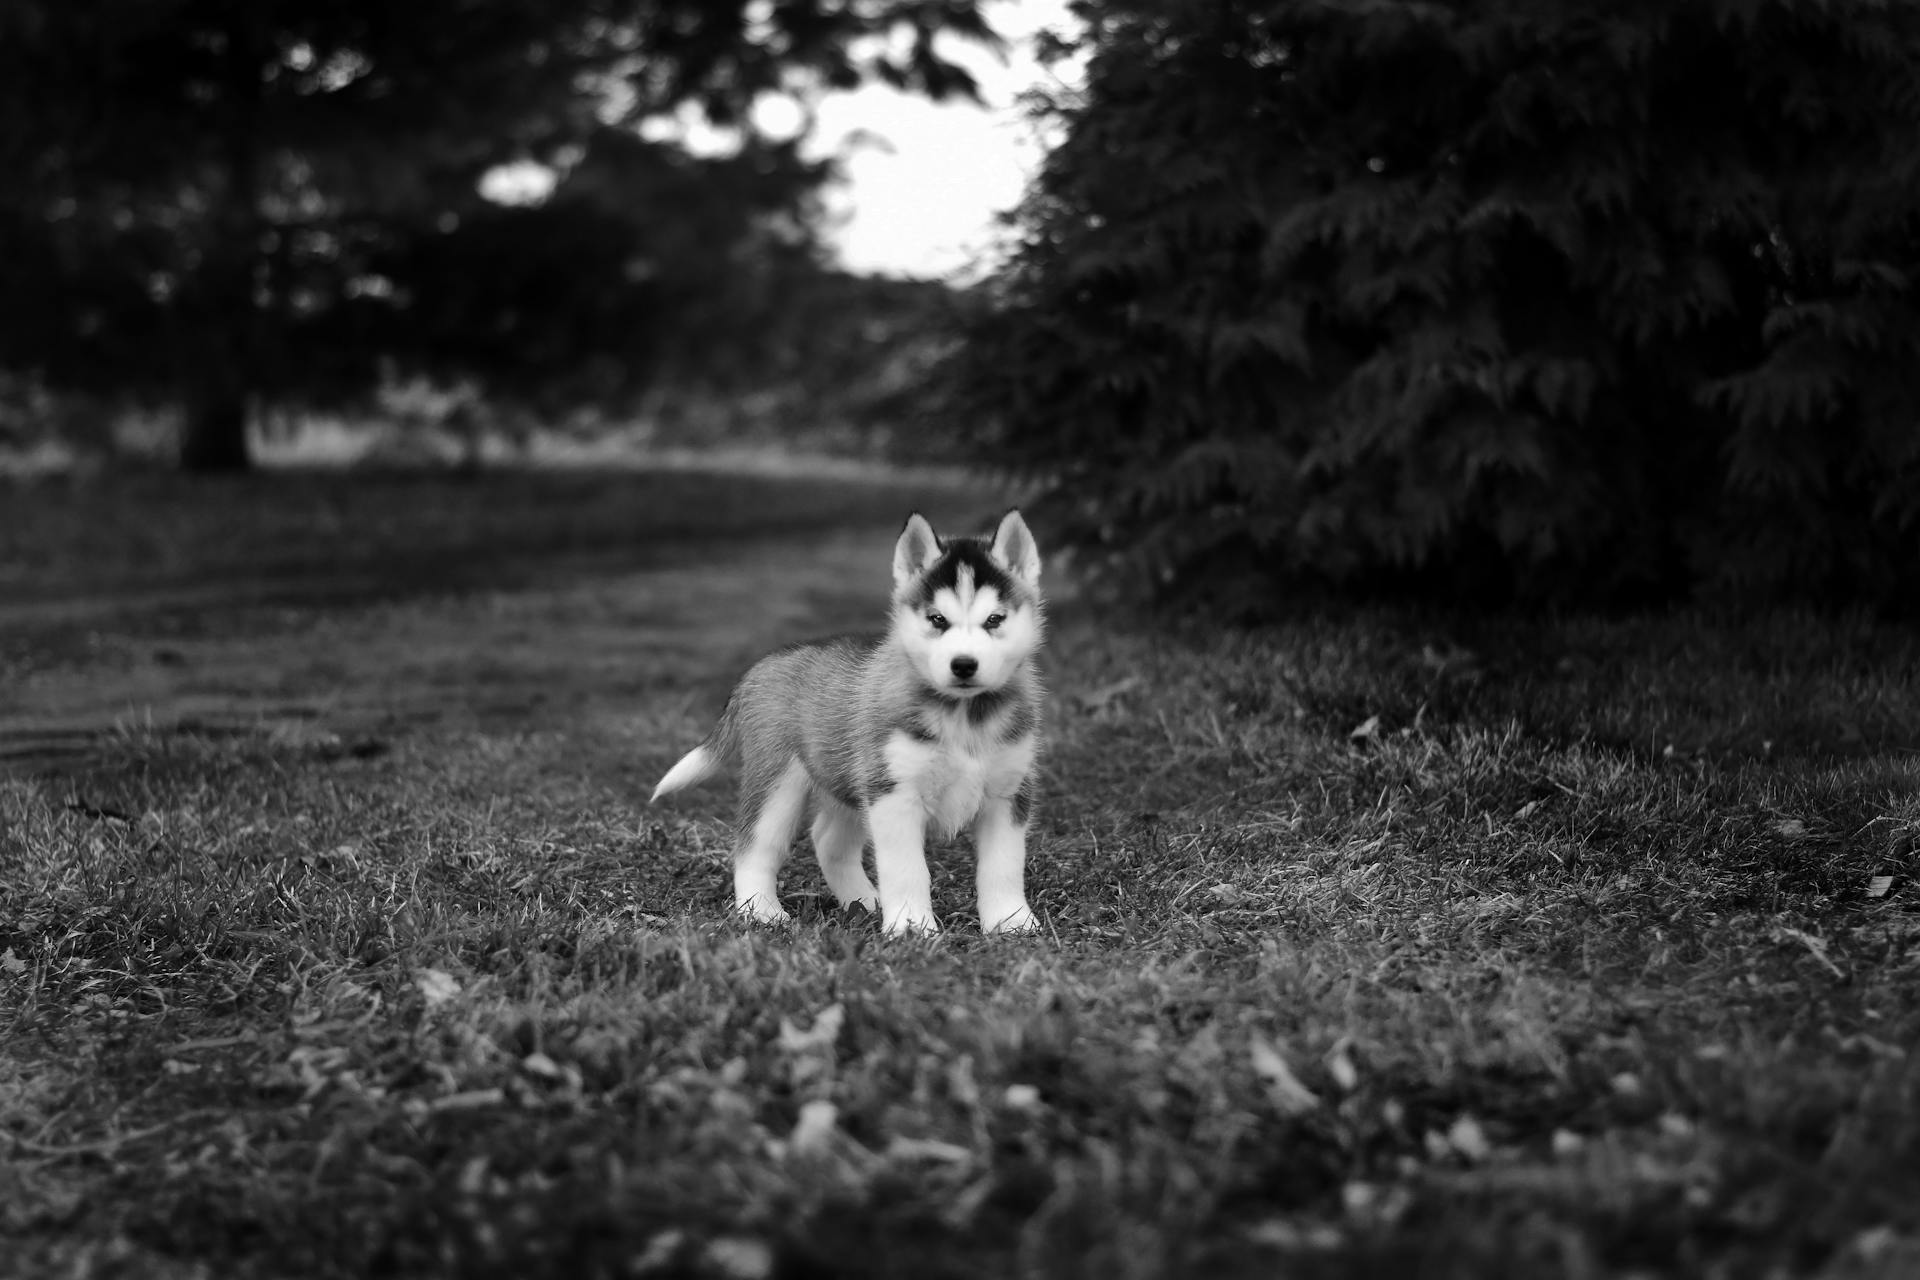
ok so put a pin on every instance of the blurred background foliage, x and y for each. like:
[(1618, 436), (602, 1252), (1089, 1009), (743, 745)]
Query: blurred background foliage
[(236, 206), (1485, 301)]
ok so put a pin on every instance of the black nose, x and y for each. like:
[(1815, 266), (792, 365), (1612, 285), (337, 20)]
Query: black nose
[(965, 667)]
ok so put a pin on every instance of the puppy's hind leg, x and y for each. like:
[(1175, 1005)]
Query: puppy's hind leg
[(769, 817), (839, 836)]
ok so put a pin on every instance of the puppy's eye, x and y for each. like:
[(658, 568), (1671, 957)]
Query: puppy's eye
[(994, 620), (938, 621)]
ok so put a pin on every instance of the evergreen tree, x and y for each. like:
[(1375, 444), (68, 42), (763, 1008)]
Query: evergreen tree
[(1529, 297)]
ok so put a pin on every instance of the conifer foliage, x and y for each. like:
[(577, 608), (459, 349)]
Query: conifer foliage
[(1536, 296)]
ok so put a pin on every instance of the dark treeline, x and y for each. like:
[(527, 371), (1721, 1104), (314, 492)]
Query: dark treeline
[(220, 203), (1488, 299)]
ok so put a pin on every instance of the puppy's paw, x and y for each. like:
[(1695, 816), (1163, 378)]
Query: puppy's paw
[(910, 922), (870, 900), (1018, 920), (762, 910)]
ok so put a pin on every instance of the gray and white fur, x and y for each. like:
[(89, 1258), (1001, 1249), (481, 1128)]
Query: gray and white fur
[(933, 725)]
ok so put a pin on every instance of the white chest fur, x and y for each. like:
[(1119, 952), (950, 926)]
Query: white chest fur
[(955, 773)]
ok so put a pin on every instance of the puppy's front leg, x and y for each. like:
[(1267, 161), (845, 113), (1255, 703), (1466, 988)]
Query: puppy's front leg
[(898, 824), (1000, 864)]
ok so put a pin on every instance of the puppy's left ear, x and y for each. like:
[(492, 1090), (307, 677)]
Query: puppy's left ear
[(1014, 547)]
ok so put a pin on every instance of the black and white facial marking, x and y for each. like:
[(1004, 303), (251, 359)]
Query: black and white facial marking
[(967, 609)]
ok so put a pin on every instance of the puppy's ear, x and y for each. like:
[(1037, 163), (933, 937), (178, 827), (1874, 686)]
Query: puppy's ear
[(918, 547), (1014, 547)]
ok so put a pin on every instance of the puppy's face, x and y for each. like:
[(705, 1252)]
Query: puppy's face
[(967, 610)]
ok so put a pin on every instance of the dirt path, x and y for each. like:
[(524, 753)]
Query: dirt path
[(395, 639)]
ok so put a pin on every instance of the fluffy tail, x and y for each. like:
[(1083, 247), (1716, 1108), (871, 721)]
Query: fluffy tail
[(721, 748), (694, 768)]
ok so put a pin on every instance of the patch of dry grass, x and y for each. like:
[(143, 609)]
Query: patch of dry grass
[(1375, 945)]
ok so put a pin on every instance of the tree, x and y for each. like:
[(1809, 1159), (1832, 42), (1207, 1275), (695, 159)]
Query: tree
[(199, 179), (1526, 298), (642, 263)]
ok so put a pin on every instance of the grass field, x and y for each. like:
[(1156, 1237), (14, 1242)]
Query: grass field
[(337, 939)]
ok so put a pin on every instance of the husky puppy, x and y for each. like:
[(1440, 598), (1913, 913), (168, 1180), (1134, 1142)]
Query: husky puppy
[(933, 725)]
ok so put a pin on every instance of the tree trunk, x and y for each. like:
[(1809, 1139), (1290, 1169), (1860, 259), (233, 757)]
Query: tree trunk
[(214, 436), (226, 359)]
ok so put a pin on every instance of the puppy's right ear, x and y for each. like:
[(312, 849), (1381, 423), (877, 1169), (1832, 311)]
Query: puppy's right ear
[(1014, 547), (918, 547)]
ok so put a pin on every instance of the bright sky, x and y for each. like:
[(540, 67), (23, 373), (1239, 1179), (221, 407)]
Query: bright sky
[(924, 205), (923, 180)]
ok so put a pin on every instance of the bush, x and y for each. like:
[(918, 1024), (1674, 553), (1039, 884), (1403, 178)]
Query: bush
[(1529, 299)]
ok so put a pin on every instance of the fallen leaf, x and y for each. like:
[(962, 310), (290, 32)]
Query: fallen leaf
[(12, 963), (1340, 1065), (961, 1085), (660, 1251), (1283, 1087), (473, 1176), (469, 1100), (810, 1057), (813, 1131), (1877, 887), (738, 1258), (1022, 1097), (539, 1064), (927, 1149), (1873, 1243), (817, 1039), (1790, 829), (1368, 728), (436, 985), (1295, 1235)]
